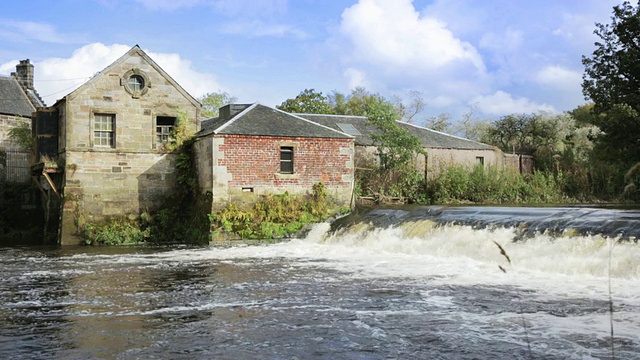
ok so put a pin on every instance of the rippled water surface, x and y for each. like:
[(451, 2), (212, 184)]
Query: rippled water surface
[(413, 290)]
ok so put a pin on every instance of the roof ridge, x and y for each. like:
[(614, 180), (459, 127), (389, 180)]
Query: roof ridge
[(314, 123), (332, 115), (441, 133)]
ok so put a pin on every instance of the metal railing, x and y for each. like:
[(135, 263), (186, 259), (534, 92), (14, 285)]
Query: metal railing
[(15, 167)]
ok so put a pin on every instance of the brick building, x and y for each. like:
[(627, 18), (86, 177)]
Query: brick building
[(252, 150)]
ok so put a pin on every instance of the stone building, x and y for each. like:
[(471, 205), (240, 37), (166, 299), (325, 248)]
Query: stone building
[(18, 102), (110, 141), (442, 149), (253, 150)]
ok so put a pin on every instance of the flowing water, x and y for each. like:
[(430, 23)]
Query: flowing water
[(419, 283)]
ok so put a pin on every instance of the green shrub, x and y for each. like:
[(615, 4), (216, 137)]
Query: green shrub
[(275, 216)]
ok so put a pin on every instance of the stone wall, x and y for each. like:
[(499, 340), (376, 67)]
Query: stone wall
[(8, 122), (133, 174), (243, 168)]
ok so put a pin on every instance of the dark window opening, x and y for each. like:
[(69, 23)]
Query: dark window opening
[(164, 128), (480, 160), (286, 159)]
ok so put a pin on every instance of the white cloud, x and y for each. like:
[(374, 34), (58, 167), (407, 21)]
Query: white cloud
[(501, 103), (559, 77), (182, 71), (57, 77), (392, 33), (355, 78)]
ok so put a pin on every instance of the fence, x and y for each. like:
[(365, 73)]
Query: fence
[(14, 167)]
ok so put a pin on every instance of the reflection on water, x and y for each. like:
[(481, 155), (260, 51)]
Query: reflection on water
[(412, 291)]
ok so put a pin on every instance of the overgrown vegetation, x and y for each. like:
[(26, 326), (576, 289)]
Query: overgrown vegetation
[(275, 216)]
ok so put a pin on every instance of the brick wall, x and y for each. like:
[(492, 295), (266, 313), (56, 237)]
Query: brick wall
[(252, 164)]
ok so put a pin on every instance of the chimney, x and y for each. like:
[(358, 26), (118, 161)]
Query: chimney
[(228, 111), (24, 74)]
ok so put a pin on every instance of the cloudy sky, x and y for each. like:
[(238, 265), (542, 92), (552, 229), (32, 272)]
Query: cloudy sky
[(493, 57)]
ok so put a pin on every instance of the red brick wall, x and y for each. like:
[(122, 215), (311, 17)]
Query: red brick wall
[(255, 161)]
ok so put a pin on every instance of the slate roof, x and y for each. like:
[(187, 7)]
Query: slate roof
[(13, 100), (261, 120), (430, 138)]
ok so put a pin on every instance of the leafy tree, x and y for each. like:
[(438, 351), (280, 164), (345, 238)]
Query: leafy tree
[(22, 136), (522, 133), (612, 81), (211, 102), (396, 146), (307, 102)]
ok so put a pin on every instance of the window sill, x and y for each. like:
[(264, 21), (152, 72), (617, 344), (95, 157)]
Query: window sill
[(287, 176)]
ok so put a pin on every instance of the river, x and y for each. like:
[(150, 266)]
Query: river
[(410, 283)]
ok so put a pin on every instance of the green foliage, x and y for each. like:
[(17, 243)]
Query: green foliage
[(117, 231), (274, 216), (212, 102), (180, 134), (404, 184), (308, 102), (459, 184), (22, 136), (612, 81), (522, 133)]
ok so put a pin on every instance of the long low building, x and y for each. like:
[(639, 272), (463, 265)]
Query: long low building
[(442, 149)]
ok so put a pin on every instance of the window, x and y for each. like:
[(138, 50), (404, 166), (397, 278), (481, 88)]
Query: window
[(103, 130), (164, 127), (136, 83), (348, 129), (480, 160), (286, 159)]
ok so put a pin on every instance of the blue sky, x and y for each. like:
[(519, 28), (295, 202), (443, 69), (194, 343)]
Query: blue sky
[(492, 57)]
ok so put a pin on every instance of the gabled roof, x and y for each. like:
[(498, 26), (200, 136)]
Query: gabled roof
[(13, 100), (133, 51), (430, 138), (260, 120)]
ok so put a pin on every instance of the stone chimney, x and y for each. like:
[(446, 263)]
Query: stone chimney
[(24, 74)]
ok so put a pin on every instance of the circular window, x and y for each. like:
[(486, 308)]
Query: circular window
[(135, 82)]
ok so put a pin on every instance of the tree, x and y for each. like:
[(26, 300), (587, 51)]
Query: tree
[(612, 81), (396, 146), (307, 102), (211, 102), (440, 123), (522, 133)]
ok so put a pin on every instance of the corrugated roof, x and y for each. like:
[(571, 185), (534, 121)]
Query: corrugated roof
[(14, 101), (430, 138), (260, 120)]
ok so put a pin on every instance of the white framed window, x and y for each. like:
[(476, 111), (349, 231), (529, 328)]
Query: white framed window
[(104, 130)]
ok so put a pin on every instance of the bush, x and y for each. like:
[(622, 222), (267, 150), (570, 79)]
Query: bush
[(275, 216)]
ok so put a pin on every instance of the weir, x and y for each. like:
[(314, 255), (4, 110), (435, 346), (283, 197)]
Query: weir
[(405, 283), (621, 223)]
